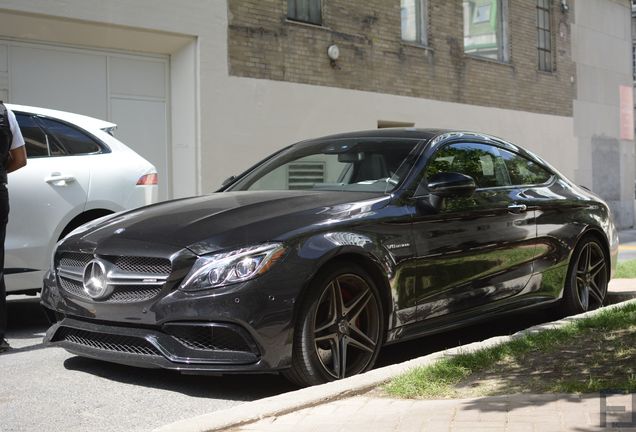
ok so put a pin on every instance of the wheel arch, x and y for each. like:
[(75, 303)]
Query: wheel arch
[(595, 234), (83, 218), (599, 235), (370, 263)]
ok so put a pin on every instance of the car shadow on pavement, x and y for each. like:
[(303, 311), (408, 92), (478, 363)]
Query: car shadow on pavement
[(231, 387), (27, 325)]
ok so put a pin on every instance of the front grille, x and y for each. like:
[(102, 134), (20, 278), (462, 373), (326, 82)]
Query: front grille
[(133, 278), (209, 338), (74, 287), (134, 293), (75, 260), (127, 264), (124, 294), (106, 342), (132, 264)]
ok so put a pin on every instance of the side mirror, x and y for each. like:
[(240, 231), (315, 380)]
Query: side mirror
[(227, 181), (451, 184)]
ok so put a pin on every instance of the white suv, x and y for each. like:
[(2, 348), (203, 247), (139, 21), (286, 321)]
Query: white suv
[(76, 172)]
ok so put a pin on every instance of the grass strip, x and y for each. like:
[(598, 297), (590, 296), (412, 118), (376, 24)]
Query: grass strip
[(626, 269), (441, 378)]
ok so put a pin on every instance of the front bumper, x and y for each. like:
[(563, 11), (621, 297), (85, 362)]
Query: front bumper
[(240, 328), (210, 347)]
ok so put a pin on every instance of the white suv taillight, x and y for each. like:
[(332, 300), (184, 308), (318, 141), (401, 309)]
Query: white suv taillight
[(148, 179)]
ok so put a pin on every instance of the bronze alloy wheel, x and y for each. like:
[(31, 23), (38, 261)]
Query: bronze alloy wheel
[(340, 327), (588, 278), (346, 331)]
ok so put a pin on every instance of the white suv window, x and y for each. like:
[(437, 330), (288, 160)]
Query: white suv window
[(72, 140)]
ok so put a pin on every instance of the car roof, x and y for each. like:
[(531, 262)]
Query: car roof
[(412, 133), (83, 121)]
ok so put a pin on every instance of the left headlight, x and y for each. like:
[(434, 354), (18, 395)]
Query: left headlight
[(239, 265)]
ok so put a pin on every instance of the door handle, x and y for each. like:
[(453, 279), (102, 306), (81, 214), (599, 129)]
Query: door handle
[(58, 179), (517, 208)]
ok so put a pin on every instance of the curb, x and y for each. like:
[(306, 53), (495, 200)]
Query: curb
[(285, 403)]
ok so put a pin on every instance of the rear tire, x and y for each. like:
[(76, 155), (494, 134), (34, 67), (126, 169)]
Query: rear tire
[(339, 328), (587, 277)]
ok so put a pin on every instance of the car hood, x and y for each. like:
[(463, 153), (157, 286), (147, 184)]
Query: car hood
[(222, 220)]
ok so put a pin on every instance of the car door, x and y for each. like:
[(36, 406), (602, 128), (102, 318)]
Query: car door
[(44, 196), (472, 251)]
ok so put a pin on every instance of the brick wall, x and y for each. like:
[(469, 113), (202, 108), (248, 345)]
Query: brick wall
[(264, 44)]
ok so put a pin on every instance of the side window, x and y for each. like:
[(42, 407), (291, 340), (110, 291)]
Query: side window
[(480, 161), (34, 138), (72, 140), (523, 171)]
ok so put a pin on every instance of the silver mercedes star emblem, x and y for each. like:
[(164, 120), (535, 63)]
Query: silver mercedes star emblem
[(95, 279)]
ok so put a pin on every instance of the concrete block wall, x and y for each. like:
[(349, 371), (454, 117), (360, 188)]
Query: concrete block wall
[(602, 41)]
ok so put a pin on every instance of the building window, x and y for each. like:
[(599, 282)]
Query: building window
[(486, 28), (544, 35), (308, 11), (414, 18)]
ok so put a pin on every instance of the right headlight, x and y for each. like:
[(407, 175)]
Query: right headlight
[(238, 265)]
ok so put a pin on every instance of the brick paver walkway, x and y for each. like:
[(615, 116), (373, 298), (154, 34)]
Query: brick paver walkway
[(532, 413)]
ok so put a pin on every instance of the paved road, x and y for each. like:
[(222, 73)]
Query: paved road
[(48, 389)]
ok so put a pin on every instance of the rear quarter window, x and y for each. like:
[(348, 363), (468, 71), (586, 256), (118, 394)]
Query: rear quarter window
[(523, 171), (74, 141)]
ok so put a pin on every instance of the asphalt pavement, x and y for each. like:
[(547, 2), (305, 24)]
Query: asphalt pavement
[(48, 389)]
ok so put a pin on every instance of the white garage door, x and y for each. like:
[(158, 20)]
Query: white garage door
[(127, 89)]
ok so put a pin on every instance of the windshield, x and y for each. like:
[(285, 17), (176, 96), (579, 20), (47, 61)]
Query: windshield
[(363, 164)]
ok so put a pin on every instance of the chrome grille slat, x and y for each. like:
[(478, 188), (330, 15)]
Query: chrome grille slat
[(134, 279)]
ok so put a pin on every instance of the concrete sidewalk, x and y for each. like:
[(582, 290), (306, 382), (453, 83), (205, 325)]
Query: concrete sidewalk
[(356, 404), (621, 290), (525, 412)]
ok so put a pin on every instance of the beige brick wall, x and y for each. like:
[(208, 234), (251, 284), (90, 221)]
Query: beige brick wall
[(264, 44)]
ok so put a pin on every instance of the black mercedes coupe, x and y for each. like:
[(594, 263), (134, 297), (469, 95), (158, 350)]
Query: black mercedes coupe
[(312, 260)]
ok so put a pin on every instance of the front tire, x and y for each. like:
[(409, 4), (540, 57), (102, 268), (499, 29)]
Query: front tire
[(587, 278), (339, 328)]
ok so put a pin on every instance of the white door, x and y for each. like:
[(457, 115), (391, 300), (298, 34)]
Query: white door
[(127, 89)]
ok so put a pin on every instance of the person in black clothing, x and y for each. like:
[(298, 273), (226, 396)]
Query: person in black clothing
[(12, 157)]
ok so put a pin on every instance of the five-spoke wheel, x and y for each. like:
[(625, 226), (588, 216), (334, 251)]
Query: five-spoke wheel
[(340, 327), (588, 277)]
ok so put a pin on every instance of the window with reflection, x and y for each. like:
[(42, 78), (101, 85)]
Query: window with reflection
[(485, 29), (488, 165), (414, 17)]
